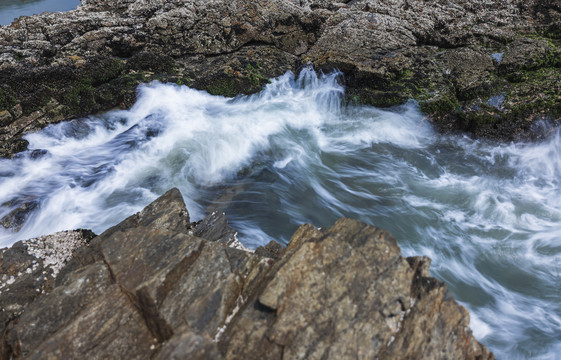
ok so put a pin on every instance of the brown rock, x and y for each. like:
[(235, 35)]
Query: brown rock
[(88, 315), (272, 250), (349, 285), (189, 345), (150, 288)]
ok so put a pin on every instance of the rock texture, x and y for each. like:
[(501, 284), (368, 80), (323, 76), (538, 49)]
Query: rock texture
[(153, 287), (28, 270), (455, 57)]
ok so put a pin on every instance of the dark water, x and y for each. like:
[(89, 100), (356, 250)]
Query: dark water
[(12, 9), (488, 215)]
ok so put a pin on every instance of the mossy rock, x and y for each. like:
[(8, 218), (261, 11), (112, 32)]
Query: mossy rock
[(222, 86), (440, 104), (7, 99), (377, 98), (147, 61)]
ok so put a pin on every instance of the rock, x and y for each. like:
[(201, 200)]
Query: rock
[(149, 287), (89, 314), (272, 250), (27, 270), (187, 343), (16, 218), (215, 228), (56, 250), (5, 118), (439, 53), (326, 293), (133, 287)]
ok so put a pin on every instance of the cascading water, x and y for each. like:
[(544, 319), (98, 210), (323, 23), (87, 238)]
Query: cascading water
[(488, 215)]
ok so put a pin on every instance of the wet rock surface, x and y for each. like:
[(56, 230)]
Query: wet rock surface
[(154, 287), (443, 54)]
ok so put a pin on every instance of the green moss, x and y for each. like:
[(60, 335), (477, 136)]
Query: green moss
[(440, 105), (101, 71), (80, 98), (255, 78), (184, 80), (552, 58), (224, 87)]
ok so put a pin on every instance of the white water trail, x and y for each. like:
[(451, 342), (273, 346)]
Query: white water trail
[(488, 215)]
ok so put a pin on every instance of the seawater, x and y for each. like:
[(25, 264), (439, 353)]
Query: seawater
[(489, 215), (12, 9)]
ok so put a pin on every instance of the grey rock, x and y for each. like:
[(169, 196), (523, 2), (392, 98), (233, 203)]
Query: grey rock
[(90, 59), (215, 227), (16, 218)]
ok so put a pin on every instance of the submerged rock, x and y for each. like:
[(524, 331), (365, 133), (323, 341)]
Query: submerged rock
[(153, 287), (16, 218)]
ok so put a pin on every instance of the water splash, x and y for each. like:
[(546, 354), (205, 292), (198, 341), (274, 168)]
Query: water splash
[(488, 215)]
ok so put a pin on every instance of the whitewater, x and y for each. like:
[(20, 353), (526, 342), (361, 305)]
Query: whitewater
[(487, 214)]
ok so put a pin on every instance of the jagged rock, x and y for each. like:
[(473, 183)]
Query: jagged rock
[(88, 315), (145, 279), (215, 228), (272, 250), (188, 344), (151, 288), (349, 285)]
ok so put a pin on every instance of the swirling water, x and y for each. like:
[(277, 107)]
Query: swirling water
[(488, 215)]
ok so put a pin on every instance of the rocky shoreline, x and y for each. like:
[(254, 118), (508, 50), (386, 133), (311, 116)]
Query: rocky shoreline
[(488, 69), (158, 286)]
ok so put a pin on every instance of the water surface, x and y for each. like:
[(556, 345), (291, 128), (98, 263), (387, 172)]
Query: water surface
[(488, 215), (12, 9)]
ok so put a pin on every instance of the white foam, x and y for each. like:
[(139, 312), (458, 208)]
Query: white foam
[(293, 153)]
